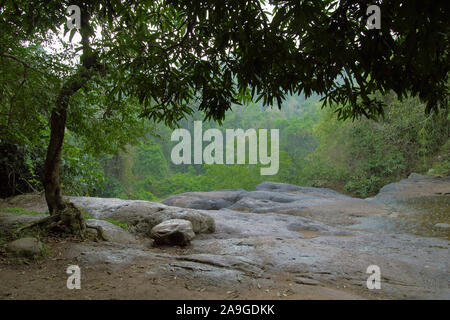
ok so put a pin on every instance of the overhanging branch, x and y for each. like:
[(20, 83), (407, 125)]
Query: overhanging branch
[(23, 62)]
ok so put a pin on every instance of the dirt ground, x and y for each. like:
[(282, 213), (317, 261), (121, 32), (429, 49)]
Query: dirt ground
[(46, 278)]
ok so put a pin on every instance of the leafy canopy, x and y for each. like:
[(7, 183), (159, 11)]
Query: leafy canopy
[(169, 53)]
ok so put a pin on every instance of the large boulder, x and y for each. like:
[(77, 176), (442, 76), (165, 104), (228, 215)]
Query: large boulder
[(142, 216), (173, 232), (27, 247), (102, 208), (142, 220)]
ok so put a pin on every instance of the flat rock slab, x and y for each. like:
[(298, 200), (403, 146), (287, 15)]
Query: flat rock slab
[(416, 186), (318, 203)]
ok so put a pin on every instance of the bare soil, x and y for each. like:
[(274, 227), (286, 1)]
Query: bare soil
[(46, 278)]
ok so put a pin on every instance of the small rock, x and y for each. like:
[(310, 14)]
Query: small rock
[(173, 232), (25, 247), (442, 225)]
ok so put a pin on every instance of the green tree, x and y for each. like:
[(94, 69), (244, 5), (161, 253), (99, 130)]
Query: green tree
[(165, 54)]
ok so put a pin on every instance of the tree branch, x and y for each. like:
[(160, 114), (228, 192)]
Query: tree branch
[(23, 62)]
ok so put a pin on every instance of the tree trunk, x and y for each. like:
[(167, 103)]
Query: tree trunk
[(64, 216), (52, 183)]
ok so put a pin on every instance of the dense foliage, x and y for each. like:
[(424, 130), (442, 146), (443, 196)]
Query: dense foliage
[(81, 104), (357, 157)]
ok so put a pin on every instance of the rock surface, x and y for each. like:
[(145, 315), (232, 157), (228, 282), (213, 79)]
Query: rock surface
[(112, 232), (269, 197), (281, 233), (213, 200), (10, 221), (142, 216), (415, 186), (442, 225), (26, 247), (173, 232)]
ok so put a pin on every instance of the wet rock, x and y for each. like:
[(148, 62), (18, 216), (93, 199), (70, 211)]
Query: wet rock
[(173, 232), (112, 232), (26, 247)]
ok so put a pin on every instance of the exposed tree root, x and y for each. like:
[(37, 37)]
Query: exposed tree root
[(68, 221)]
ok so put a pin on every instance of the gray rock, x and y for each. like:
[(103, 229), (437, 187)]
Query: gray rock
[(143, 220), (11, 221), (112, 232), (442, 225), (416, 186), (142, 216), (27, 247), (318, 203), (284, 187), (278, 197), (173, 232), (213, 200), (103, 208), (248, 204)]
